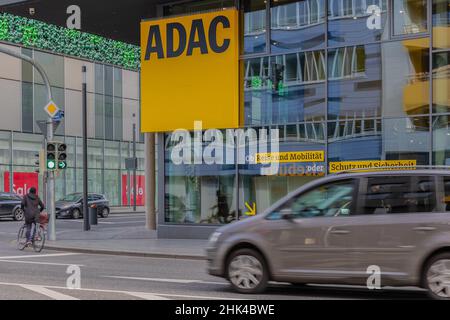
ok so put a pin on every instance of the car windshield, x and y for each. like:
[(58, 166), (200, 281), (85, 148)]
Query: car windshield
[(72, 197)]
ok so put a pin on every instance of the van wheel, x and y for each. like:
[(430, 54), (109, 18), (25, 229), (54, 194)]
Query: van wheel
[(247, 271), (436, 276)]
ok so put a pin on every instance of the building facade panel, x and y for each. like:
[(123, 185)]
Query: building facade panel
[(361, 80)]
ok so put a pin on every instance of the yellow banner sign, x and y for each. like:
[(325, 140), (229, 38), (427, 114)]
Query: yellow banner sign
[(381, 165), (190, 72), (285, 157)]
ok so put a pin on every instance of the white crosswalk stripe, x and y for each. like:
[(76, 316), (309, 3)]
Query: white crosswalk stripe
[(49, 293), (146, 296)]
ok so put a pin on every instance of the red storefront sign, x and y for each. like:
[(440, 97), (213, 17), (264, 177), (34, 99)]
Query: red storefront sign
[(140, 190), (22, 182)]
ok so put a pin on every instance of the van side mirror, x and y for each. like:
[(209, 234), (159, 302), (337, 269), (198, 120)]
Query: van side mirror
[(287, 214)]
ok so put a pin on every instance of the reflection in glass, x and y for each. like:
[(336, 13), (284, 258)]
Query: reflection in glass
[(441, 24), (407, 139), (406, 85), (266, 190), (198, 193), (297, 24), (300, 95), (441, 82), (410, 16), (354, 89), (254, 26), (441, 140), (356, 21), (184, 8), (354, 139)]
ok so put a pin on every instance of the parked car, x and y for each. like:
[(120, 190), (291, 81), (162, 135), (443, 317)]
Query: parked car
[(71, 206), (338, 229), (10, 206)]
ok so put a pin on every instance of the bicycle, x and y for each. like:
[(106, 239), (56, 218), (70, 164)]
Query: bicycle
[(38, 240)]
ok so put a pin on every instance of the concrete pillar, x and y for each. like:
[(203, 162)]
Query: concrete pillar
[(150, 181)]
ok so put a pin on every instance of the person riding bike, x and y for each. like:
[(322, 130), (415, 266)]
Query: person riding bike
[(32, 207)]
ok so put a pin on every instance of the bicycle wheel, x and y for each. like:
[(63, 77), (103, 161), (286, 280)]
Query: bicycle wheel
[(39, 239), (22, 238)]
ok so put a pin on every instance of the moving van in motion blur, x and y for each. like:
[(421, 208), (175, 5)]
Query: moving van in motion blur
[(336, 229)]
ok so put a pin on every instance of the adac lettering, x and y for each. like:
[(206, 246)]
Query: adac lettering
[(195, 38)]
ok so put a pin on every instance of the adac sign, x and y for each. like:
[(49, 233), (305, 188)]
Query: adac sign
[(190, 72)]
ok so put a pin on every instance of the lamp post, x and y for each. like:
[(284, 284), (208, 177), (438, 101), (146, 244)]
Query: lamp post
[(135, 164)]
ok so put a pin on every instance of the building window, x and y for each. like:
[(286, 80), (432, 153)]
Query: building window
[(409, 16), (441, 82), (406, 66), (356, 21), (254, 26), (297, 24), (407, 139), (441, 24), (441, 140)]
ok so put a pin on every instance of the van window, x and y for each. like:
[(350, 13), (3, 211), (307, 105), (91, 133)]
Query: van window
[(328, 200), (398, 194)]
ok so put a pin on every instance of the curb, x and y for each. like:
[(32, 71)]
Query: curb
[(125, 253), (126, 212)]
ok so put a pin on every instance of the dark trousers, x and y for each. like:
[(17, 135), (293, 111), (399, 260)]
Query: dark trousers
[(32, 221)]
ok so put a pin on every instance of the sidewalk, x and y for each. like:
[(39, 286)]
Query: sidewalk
[(115, 210), (127, 241)]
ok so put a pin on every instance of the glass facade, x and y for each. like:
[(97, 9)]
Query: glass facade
[(106, 161), (113, 96), (361, 80)]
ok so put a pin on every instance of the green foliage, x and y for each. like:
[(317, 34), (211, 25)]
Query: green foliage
[(39, 35)]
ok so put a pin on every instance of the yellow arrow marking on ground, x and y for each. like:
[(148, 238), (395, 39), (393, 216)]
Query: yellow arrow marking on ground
[(252, 210)]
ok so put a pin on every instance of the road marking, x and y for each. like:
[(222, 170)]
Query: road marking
[(146, 296), (41, 263), (8, 233), (165, 280), (41, 255), (125, 292), (49, 293)]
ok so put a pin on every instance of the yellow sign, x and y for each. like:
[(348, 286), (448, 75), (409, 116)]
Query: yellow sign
[(382, 165), (51, 109), (285, 157), (190, 72), (252, 210)]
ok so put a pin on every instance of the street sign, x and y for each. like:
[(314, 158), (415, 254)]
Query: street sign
[(52, 109), (59, 116), (42, 124)]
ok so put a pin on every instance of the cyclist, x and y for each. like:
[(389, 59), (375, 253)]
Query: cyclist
[(32, 207)]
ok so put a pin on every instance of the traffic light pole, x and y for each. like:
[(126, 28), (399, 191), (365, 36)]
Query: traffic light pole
[(50, 203)]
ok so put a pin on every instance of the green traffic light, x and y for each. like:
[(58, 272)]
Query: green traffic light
[(51, 165), (62, 165)]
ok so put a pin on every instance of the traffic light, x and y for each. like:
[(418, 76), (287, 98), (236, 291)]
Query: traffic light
[(51, 156), (277, 75), (40, 162), (62, 156)]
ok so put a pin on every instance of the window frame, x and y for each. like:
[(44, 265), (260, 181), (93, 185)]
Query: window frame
[(392, 34), (355, 183), (363, 189)]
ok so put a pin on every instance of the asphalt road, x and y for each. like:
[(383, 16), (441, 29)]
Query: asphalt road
[(27, 275)]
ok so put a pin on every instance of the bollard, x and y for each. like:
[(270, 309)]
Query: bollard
[(93, 218)]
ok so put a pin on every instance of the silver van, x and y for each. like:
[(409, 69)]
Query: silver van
[(343, 229)]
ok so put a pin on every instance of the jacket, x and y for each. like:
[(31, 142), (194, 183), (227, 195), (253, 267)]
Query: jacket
[(32, 206)]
